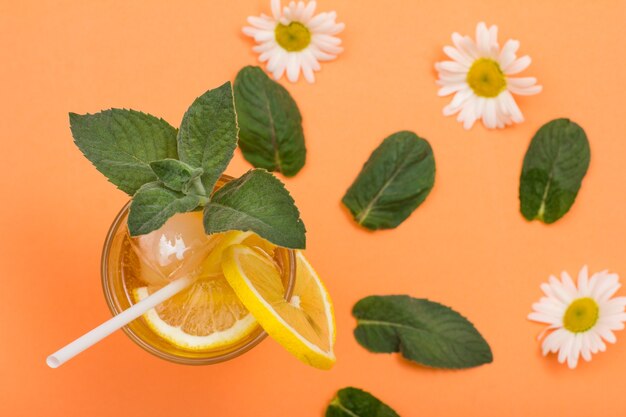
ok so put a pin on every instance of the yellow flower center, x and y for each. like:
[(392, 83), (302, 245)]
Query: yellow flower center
[(293, 37), (486, 78), (581, 315)]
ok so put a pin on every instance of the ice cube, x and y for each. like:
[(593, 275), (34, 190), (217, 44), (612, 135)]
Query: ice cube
[(162, 252)]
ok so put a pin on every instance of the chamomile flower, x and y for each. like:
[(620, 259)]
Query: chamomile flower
[(294, 40), (581, 317), (479, 76)]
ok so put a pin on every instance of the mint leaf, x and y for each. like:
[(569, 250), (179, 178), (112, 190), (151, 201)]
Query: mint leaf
[(178, 176), (259, 202), (554, 166), (354, 402), (153, 204), (394, 181), (122, 143), (270, 123), (423, 331), (207, 137)]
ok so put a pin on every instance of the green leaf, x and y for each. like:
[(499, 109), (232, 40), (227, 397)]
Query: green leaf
[(259, 202), (554, 167), (153, 204), (423, 331), (207, 137), (178, 175), (354, 402), (122, 143), (270, 123), (394, 181)]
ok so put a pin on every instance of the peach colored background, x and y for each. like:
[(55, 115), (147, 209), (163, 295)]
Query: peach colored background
[(467, 246)]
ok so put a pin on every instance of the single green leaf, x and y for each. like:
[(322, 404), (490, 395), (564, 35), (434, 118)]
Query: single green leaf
[(270, 123), (423, 331), (122, 143), (153, 204), (554, 166), (354, 402), (394, 181), (178, 176), (207, 137), (259, 202)]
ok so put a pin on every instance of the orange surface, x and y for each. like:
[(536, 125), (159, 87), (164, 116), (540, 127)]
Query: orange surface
[(467, 246)]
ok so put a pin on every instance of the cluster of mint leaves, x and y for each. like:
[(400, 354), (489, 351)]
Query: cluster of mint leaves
[(169, 171)]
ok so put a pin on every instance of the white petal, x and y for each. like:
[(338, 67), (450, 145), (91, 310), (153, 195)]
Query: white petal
[(612, 322), (309, 10), (565, 348), (489, 117), (568, 285), (276, 9), (574, 353), (511, 106), (457, 56), (523, 82), (583, 280), (264, 47), (493, 41), (261, 23), (543, 318), (327, 39), (321, 55), (508, 53), (560, 291), (482, 39), (528, 91), (310, 60), (307, 71), (281, 65), (451, 66), (450, 88), (327, 47), (460, 98), (585, 349), (317, 21), (609, 289), (293, 67), (468, 115), (449, 77), (335, 29), (553, 342), (517, 66), (465, 45)]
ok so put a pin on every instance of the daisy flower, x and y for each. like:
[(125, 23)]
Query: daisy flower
[(581, 317), (294, 40), (479, 76)]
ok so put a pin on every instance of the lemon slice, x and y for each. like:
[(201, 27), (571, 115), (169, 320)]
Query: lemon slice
[(206, 316), (212, 266), (305, 325)]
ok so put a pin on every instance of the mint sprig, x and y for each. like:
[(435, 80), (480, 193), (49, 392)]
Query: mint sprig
[(554, 167), (423, 331), (271, 134), (207, 137), (236, 206), (355, 402), (169, 171), (121, 144), (394, 181)]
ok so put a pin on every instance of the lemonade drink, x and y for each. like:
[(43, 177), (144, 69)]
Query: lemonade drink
[(205, 323)]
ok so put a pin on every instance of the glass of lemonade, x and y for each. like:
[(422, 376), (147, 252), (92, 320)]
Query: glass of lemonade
[(204, 324)]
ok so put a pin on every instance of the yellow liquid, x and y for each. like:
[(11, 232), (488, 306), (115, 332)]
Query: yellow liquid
[(152, 261)]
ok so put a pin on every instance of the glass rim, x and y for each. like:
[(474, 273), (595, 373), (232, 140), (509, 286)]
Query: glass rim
[(110, 297)]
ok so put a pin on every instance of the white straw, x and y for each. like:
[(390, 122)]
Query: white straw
[(94, 336)]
